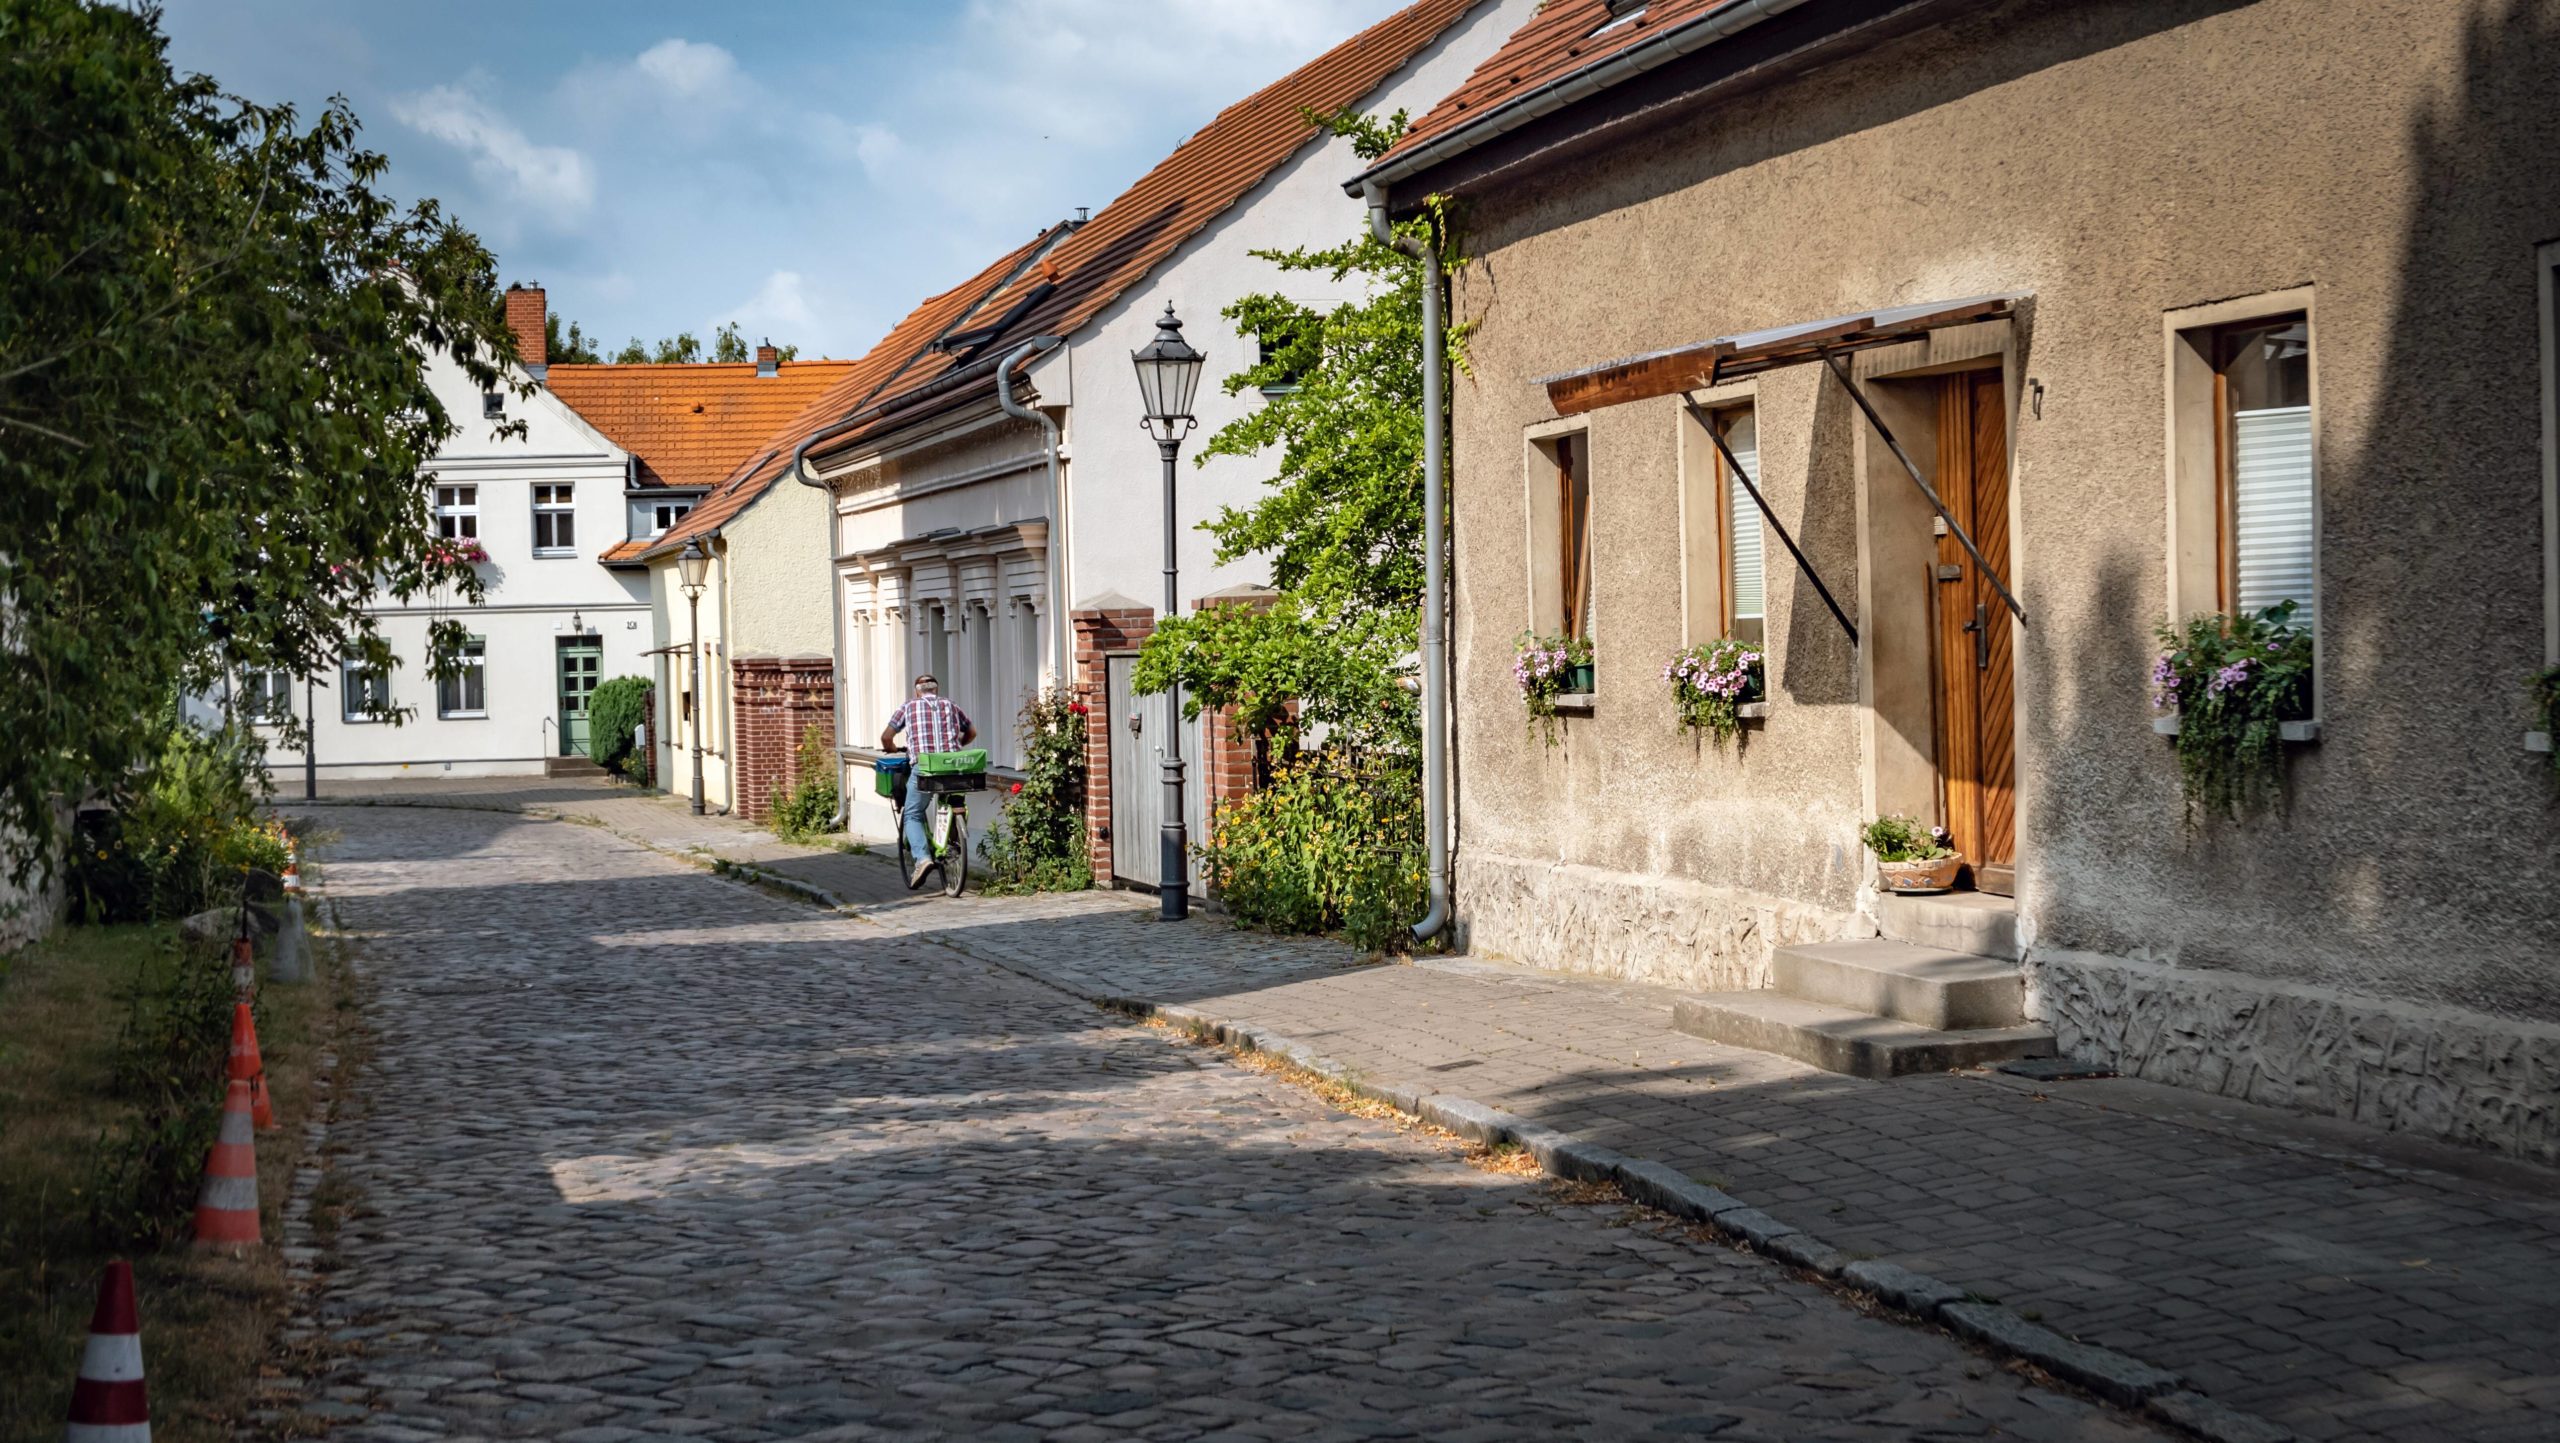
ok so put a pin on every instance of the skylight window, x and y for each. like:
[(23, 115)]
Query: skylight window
[(1622, 13)]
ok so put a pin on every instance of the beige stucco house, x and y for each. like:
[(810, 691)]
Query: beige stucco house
[(2179, 307)]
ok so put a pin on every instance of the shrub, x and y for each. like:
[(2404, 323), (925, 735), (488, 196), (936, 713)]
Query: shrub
[(1038, 844), (614, 711), (808, 809), (2233, 682), (1333, 844), (175, 838), (1710, 683), (171, 1062)]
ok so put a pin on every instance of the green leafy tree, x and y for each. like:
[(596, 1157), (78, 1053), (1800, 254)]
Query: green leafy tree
[(215, 334), (728, 344), (566, 345)]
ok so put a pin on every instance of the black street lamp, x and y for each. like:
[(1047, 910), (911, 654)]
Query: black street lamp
[(691, 564), (1168, 374)]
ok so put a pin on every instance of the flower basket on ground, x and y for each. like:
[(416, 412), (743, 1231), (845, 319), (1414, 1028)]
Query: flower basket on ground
[(1548, 667), (1711, 684), (2233, 682), (1912, 858)]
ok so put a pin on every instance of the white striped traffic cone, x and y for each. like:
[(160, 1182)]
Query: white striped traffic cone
[(227, 1208), (108, 1404)]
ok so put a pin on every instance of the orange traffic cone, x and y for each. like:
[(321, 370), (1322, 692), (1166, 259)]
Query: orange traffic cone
[(108, 1404), (248, 1067), (244, 966), (227, 1208)]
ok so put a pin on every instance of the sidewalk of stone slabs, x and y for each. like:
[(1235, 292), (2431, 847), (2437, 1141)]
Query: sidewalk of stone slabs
[(2242, 1273)]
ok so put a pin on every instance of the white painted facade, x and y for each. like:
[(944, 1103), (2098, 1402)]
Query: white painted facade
[(534, 599), (942, 536)]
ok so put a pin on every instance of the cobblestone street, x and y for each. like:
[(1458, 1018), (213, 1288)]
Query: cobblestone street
[(645, 1153)]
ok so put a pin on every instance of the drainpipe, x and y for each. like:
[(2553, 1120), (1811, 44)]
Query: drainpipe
[(1435, 646), (1057, 496), (843, 818)]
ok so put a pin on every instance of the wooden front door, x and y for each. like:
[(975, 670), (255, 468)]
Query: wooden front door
[(580, 665), (1976, 681)]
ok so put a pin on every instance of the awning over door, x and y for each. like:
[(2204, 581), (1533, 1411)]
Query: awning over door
[(1727, 358)]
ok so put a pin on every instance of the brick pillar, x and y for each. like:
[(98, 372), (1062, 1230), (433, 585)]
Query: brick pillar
[(1099, 633), (774, 699)]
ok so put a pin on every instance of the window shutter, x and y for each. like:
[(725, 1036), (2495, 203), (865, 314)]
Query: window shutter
[(1742, 525), (2271, 511)]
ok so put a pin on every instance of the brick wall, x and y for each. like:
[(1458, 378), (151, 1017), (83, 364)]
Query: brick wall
[(776, 699), (1098, 634)]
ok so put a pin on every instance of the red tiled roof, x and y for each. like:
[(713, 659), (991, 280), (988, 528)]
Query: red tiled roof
[(690, 424), (1557, 42), (754, 473), (1169, 205)]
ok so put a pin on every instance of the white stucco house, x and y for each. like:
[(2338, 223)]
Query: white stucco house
[(609, 455), (953, 552)]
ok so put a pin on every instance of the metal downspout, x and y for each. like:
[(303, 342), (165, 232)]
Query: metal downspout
[(1435, 645), (843, 818), (1063, 659)]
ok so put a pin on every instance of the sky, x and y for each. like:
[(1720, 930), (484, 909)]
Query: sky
[(808, 170)]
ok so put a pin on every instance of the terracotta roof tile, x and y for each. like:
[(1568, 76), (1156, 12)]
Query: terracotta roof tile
[(753, 473), (1170, 204), (691, 424), (1562, 38)]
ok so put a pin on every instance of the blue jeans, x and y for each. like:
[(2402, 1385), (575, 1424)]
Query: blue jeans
[(919, 848)]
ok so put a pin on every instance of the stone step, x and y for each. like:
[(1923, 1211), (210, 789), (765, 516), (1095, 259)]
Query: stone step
[(1840, 1040), (1925, 986), (1975, 922), (570, 767)]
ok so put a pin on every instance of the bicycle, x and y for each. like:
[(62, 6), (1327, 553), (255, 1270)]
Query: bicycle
[(947, 778)]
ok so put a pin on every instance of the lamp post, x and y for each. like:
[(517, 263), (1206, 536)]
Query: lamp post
[(691, 564), (1168, 374)]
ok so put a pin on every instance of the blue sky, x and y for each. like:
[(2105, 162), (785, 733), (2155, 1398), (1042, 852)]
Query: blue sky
[(810, 170)]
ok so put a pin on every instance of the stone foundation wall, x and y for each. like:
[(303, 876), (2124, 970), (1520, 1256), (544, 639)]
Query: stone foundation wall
[(1661, 930), (2436, 1072)]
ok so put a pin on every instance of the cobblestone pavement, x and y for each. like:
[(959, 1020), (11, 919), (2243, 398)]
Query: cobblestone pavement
[(2349, 1286), (644, 1153)]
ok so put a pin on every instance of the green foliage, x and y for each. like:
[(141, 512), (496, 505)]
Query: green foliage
[(1544, 668), (1038, 845), (1897, 838), (1285, 671), (214, 409), (1709, 684), (2233, 682), (809, 809), (1334, 843), (2542, 692), (615, 710), (728, 344), (567, 346), (171, 1064), (174, 837)]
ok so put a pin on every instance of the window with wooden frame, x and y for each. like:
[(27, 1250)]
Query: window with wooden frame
[(555, 519), (465, 693), (1742, 577), (2244, 500), (1559, 487), (364, 693), (457, 512), (266, 697)]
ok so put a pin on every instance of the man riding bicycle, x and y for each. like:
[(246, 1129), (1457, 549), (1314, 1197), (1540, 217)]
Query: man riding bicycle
[(932, 723)]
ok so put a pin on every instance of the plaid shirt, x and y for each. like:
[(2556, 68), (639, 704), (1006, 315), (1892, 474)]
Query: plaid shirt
[(932, 724)]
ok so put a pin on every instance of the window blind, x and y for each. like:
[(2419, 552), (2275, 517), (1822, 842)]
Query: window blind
[(1742, 525), (2272, 508)]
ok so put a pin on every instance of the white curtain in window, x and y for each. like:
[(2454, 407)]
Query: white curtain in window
[(1743, 523), (2272, 510)]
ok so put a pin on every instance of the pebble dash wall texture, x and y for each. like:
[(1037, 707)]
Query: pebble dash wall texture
[(2387, 948)]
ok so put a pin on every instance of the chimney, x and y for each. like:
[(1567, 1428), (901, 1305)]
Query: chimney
[(528, 317), (768, 360)]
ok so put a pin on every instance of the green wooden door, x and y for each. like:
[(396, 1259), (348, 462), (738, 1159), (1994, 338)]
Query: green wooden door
[(581, 662)]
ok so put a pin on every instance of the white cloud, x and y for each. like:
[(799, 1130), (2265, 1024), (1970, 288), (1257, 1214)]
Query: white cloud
[(781, 308), (687, 83), (552, 180), (691, 70)]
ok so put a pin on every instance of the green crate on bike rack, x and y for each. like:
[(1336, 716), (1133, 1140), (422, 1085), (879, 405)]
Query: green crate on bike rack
[(886, 775), (960, 771)]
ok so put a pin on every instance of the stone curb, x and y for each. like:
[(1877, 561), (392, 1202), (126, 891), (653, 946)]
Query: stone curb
[(2122, 1380)]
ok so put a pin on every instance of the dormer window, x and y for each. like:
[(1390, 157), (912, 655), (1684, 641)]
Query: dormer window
[(666, 514)]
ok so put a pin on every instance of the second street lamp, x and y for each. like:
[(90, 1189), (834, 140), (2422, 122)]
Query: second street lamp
[(1168, 374), (691, 564)]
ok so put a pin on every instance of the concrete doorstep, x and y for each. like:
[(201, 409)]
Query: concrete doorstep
[(2127, 1382)]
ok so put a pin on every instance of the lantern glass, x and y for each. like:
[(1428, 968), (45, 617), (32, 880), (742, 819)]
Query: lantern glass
[(1168, 372), (692, 562)]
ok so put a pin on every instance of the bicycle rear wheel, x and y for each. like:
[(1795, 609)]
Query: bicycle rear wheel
[(955, 862)]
